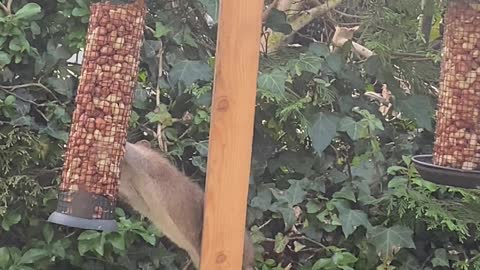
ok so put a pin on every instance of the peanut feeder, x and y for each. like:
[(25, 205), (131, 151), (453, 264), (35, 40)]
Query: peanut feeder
[(87, 196), (456, 154)]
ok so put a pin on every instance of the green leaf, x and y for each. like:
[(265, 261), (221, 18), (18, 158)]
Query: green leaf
[(9, 100), (418, 108), (294, 195), (351, 219), (162, 115), (80, 12), (117, 240), (319, 49), (313, 207), (188, 72), (89, 235), (277, 21), (33, 255), (323, 130), (161, 30), (273, 82), (48, 233), (28, 10), (10, 219), (18, 44), (345, 193), (211, 7), (335, 62), (263, 200), (63, 87), (4, 257), (441, 258), (388, 241), (148, 237), (35, 28), (355, 130), (5, 59), (281, 243), (305, 63), (288, 217)]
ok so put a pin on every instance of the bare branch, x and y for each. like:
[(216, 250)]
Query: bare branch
[(313, 13), (161, 143), (5, 9), (9, 6)]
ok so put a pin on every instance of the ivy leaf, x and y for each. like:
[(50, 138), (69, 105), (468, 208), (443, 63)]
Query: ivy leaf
[(4, 257), (10, 219), (335, 62), (388, 241), (89, 235), (80, 12), (305, 63), (162, 115), (277, 21), (148, 237), (28, 10), (161, 30), (281, 242), (345, 193), (355, 130), (418, 108), (18, 44), (273, 82), (263, 200), (117, 240), (441, 258), (288, 217), (33, 255), (188, 72), (211, 6), (48, 233), (63, 87), (295, 194), (5, 59), (324, 129), (319, 49), (351, 219)]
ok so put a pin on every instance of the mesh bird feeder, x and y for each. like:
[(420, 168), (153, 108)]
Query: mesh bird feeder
[(456, 154), (88, 191)]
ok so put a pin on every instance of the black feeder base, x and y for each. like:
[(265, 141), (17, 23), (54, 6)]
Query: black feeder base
[(77, 209), (446, 176), (83, 223)]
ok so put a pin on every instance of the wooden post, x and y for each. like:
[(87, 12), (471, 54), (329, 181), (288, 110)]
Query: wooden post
[(231, 134)]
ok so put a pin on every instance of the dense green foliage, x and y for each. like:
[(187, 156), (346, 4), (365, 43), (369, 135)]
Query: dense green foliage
[(332, 184)]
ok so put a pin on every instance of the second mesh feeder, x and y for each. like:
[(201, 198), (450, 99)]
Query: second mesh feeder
[(456, 154), (88, 192)]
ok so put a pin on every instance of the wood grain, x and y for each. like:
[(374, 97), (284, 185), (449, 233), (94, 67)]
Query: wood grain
[(231, 133)]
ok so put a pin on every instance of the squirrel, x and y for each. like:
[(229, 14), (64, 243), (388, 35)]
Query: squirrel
[(155, 188)]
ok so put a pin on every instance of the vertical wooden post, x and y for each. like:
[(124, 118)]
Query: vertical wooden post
[(231, 133)]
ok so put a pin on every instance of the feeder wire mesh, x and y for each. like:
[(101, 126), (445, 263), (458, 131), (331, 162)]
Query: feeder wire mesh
[(97, 139), (458, 123)]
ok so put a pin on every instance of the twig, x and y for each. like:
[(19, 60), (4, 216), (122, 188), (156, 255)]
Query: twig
[(161, 142), (15, 87), (9, 5), (349, 15), (4, 8)]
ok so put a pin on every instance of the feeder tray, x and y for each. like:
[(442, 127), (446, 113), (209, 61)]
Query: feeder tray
[(445, 175)]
